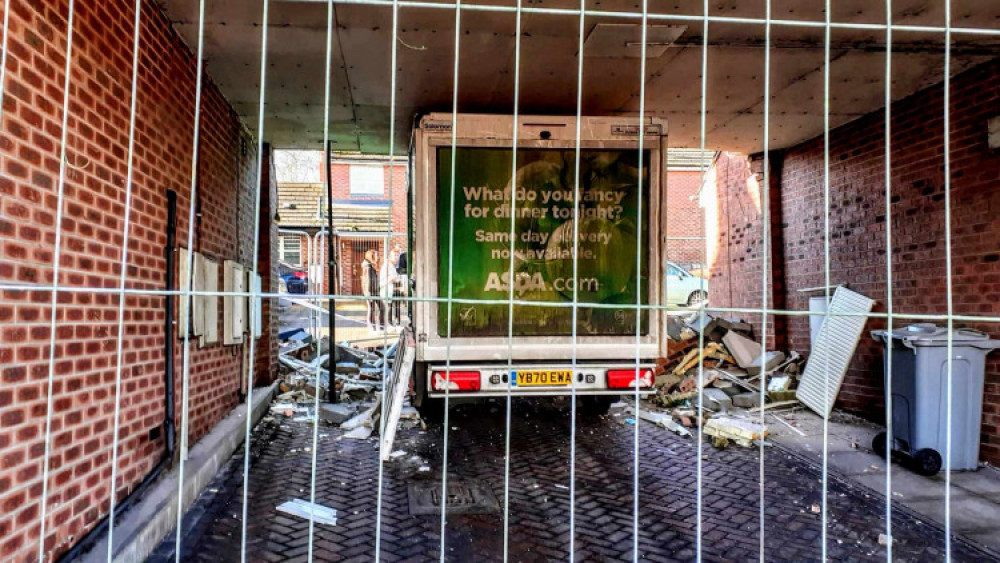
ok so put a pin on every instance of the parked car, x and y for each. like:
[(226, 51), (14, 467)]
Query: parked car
[(296, 282), (683, 287)]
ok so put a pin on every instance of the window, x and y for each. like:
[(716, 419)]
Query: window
[(291, 250), (367, 180)]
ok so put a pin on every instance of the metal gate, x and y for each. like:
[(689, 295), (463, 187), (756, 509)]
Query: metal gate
[(353, 249)]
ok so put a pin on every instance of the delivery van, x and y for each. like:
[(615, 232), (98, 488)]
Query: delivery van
[(460, 200)]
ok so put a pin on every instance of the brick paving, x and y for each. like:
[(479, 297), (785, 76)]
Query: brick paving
[(347, 479)]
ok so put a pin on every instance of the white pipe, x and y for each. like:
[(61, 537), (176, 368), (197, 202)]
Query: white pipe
[(318, 250)]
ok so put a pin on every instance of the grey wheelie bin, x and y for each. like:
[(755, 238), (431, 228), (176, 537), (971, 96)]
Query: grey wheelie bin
[(919, 374)]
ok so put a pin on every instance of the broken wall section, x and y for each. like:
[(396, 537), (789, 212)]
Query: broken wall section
[(735, 241), (857, 227)]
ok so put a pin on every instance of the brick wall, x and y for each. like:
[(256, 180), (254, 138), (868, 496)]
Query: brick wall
[(83, 407), (396, 192), (858, 219), (685, 218)]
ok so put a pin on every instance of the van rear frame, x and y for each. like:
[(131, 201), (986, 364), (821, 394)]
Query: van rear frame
[(497, 358)]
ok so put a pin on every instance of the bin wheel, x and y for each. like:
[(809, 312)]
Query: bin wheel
[(878, 444), (928, 461)]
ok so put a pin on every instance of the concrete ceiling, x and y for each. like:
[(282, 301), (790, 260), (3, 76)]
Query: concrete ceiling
[(360, 73)]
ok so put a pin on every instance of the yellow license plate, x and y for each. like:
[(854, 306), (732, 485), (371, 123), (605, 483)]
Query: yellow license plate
[(543, 377)]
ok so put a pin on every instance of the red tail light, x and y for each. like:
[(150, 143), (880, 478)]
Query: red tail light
[(625, 378), (456, 381)]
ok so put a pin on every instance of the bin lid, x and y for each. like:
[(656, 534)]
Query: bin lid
[(929, 334)]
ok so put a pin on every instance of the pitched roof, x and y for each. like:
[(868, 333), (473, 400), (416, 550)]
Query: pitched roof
[(367, 217), (299, 205), (304, 205)]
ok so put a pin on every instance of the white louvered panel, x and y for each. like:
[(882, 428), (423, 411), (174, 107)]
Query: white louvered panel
[(832, 351)]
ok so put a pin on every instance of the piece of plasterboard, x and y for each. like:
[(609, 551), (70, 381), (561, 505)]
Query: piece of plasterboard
[(253, 303), (831, 354), (210, 308), (258, 317), (233, 306), (184, 282), (198, 301)]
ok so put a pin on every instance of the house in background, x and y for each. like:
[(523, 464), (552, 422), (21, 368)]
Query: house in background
[(369, 210)]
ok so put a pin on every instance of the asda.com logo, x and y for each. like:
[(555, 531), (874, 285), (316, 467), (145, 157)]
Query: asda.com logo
[(525, 282)]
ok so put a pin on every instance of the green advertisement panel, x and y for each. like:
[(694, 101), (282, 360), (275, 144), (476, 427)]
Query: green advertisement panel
[(542, 245)]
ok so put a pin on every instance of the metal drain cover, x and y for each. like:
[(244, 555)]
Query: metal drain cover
[(464, 497)]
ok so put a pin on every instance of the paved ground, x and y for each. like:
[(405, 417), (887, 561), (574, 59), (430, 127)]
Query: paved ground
[(539, 505), (975, 495), (351, 322)]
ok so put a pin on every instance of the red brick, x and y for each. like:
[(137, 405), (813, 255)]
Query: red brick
[(91, 250), (858, 222)]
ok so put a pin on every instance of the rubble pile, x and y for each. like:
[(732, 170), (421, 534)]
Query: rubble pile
[(727, 383), (304, 371), (304, 368)]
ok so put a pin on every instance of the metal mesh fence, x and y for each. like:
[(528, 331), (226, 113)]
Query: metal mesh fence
[(689, 251)]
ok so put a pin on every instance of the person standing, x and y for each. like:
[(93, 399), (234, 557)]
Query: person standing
[(403, 281), (370, 288), (403, 263), (389, 278)]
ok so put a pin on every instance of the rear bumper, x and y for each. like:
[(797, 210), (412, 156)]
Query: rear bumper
[(496, 380)]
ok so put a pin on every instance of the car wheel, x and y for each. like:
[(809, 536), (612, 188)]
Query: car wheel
[(697, 297)]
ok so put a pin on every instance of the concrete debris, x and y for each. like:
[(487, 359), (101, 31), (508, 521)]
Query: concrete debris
[(409, 413), (364, 418), (715, 328), (674, 399), (688, 417), (726, 371), (663, 420), (741, 431), (747, 400), (337, 413), (359, 433), (304, 375), (667, 380), (716, 400), (772, 360), (743, 349)]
